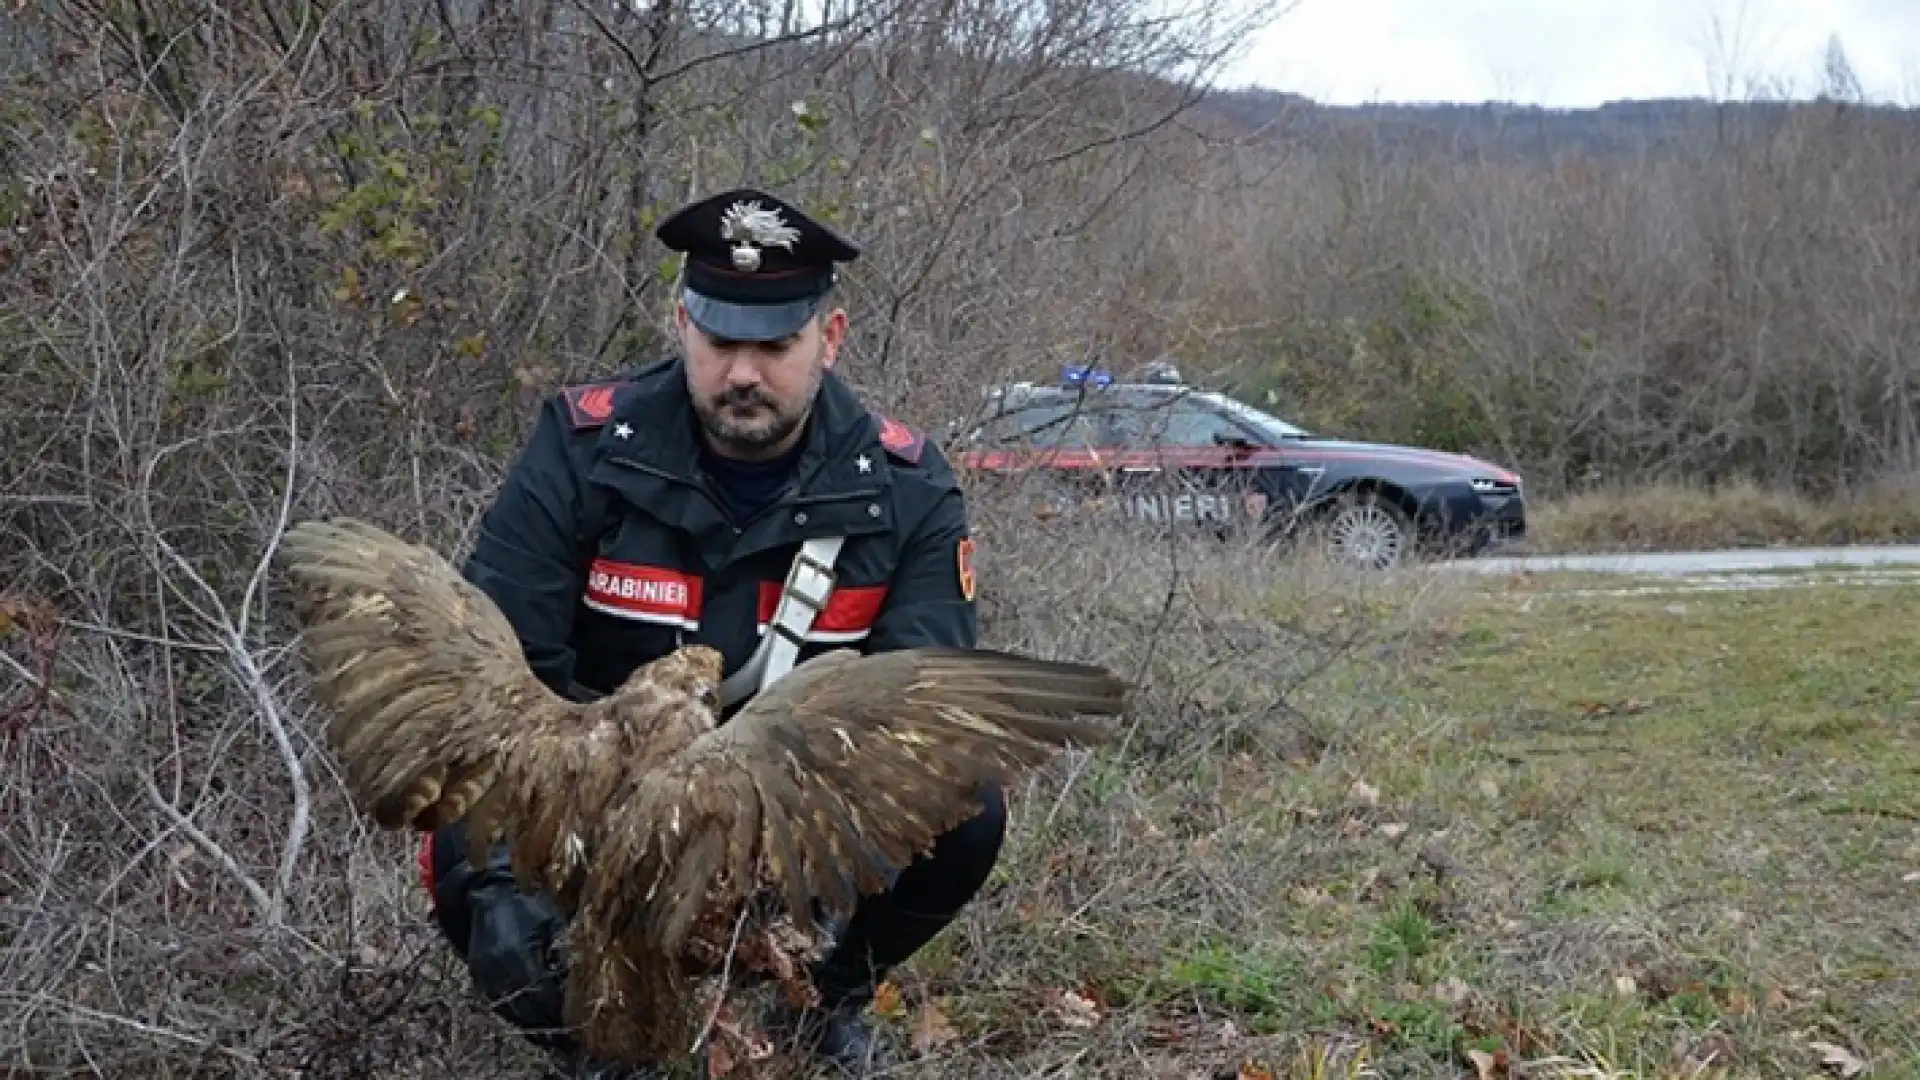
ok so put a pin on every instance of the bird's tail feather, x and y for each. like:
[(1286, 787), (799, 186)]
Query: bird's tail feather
[(633, 1009)]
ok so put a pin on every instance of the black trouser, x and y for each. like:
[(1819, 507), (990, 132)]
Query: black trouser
[(506, 936), (889, 927)]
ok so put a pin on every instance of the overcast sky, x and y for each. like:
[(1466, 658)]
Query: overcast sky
[(1575, 52)]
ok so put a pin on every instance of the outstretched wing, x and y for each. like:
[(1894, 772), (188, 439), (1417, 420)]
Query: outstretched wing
[(435, 713), (836, 775)]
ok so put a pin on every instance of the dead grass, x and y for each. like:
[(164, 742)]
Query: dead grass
[(1354, 825), (1686, 517), (1640, 835)]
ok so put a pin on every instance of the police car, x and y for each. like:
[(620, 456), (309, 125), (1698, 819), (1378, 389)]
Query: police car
[(1162, 454)]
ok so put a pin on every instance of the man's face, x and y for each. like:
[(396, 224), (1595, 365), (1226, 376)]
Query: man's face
[(752, 396)]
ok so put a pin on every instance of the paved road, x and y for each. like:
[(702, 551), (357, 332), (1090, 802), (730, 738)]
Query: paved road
[(1696, 562)]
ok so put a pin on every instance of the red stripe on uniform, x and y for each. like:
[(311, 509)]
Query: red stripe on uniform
[(848, 616), (426, 868), (648, 593)]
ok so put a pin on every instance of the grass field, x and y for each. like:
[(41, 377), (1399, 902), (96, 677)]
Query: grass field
[(1548, 835)]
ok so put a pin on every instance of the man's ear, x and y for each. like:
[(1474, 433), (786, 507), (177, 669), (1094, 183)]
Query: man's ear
[(833, 329)]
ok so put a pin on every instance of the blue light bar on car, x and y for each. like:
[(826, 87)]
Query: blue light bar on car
[(1076, 374)]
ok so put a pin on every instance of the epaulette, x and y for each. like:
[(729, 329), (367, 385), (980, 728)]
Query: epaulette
[(900, 440), (589, 404)]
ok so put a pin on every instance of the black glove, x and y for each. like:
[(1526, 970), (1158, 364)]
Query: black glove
[(510, 939), (513, 953)]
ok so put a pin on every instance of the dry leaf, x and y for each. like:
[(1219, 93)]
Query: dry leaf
[(1078, 1010), (1253, 1070), (887, 1003), (931, 1029), (406, 308), (1839, 1059), (1394, 830), (729, 1036), (1363, 794), (1488, 1066)]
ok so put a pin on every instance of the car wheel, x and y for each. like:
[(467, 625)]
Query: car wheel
[(1365, 530)]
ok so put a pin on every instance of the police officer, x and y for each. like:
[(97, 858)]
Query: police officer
[(666, 506)]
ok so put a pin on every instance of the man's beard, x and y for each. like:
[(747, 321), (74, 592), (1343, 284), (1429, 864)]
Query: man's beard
[(749, 435)]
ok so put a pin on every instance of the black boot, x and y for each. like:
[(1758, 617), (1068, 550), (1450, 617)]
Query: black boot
[(887, 928), (833, 1031)]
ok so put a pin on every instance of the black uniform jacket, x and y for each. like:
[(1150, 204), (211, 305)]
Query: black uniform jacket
[(606, 548)]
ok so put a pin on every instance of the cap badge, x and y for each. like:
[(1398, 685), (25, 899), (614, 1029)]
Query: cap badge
[(750, 227)]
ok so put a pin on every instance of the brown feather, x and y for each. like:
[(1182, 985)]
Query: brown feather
[(842, 771), (652, 826)]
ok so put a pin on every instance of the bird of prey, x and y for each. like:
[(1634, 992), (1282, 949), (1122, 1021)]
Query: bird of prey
[(661, 831)]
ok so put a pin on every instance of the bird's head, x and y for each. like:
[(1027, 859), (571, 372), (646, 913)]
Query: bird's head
[(694, 671)]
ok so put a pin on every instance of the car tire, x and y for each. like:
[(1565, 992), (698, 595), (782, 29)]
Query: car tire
[(1364, 530)]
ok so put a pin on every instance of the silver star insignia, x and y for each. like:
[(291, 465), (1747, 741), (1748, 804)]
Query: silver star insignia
[(622, 431), (864, 464)]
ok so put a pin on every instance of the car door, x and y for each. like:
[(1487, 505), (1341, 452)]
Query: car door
[(1189, 465), (1052, 452)]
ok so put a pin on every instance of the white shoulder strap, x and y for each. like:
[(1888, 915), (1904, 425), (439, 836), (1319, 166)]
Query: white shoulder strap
[(809, 583)]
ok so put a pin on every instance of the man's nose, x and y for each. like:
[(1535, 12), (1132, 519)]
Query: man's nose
[(740, 369)]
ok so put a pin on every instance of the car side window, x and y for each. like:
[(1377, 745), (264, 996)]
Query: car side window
[(1192, 425), (1180, 423)]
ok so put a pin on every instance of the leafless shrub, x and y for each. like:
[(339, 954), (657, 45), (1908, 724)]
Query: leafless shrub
[(267, 261)]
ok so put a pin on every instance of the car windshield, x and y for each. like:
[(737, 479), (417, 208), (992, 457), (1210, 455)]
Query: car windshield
[(1252, 417)]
